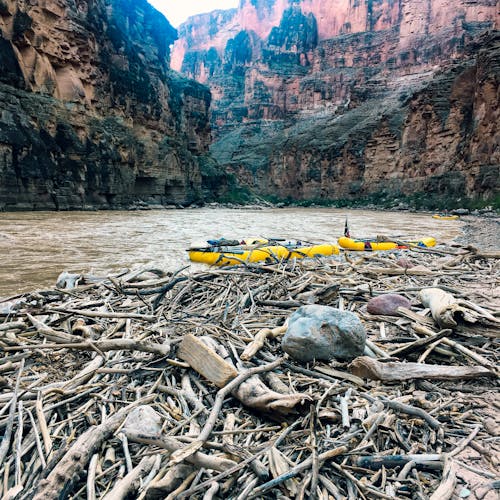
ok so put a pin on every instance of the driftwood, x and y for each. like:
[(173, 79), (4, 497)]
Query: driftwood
[(391, 371), (132, 481), (420, 343), (252, 392), (255, 394), (103, 346), (447, 486), (379, 461), (76, 458), (199, 459), (295, 470), (72, 362), (398, 271), (481, 254), (445, 309), (260, 339), (206, 361), (175, 476)]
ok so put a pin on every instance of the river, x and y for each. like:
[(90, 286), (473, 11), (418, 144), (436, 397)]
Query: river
[(36, 246)]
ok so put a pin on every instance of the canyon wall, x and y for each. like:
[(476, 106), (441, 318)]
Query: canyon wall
[(91, 116), (352, 99)]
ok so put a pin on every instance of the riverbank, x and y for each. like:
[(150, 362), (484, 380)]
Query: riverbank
[(102, 373), (482, 232)]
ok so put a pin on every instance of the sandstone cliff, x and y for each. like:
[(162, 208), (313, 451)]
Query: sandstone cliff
[(90, 113), (352, 99)]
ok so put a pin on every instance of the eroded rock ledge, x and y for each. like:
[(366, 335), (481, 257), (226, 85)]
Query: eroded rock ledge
[(90, 115), (347, 100)]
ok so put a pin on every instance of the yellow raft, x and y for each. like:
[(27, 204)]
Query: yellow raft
[(369, 245), (234, 255), (445, 217)]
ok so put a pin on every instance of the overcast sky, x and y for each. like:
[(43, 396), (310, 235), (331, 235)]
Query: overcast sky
[(177, 11)]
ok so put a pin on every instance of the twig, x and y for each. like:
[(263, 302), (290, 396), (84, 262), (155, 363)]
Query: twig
[(322, 457), (4, 447), (181, 455)]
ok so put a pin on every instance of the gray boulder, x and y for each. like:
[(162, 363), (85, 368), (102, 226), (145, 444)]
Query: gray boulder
[(323, 332)]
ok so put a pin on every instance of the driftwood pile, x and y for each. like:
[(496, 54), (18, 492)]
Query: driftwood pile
[(175, 386)]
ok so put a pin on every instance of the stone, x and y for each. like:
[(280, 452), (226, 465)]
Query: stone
[(405, 263), (387, 304), (90, 113), (323, 332), (364, 100), (143, 420)]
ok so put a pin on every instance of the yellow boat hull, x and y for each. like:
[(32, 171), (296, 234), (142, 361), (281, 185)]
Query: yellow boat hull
[(261, 254), (360, 245), (445, 217)]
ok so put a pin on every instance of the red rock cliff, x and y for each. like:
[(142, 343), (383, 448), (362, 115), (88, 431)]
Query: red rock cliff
[(315, 99), (90, 113)]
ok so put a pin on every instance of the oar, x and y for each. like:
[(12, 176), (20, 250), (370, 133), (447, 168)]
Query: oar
[(273, 239), (346, 229), (409, 244)]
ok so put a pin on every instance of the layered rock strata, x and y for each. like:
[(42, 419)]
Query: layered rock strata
[(349, 99), (90, 113), (434, 142)]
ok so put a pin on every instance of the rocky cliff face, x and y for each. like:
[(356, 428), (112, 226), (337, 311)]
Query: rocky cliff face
[(90, 113), (351, 98)]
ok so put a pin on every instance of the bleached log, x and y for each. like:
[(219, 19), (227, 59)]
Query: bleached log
[(206, 361), (394, 371), (445, 309)]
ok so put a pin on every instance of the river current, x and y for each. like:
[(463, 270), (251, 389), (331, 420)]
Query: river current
[(35, 247)]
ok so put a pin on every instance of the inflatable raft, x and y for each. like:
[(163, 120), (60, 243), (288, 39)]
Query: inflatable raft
[(445, 217), (369, 245), (257, 251)]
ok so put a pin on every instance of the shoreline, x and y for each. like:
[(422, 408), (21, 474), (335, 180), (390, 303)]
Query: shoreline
[(99, 348), (259, 203), (483, 232)]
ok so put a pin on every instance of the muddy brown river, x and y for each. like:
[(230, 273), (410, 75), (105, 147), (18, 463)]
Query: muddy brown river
[(36, 246)]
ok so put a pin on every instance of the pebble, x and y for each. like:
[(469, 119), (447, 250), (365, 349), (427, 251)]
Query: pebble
[(405, 263)]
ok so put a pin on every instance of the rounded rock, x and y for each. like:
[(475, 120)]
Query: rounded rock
[(323, 332), (405, 263), (387, 305)]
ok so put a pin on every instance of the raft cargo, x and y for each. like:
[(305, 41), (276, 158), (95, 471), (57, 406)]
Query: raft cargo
[(370, 244), (262, 251)]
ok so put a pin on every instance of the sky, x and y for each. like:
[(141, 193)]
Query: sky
[(177, 11)]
